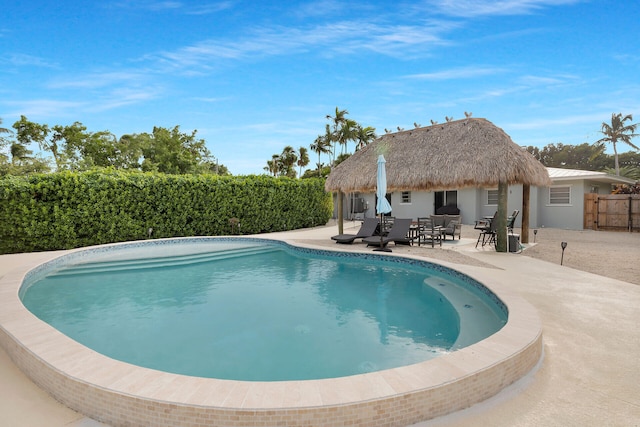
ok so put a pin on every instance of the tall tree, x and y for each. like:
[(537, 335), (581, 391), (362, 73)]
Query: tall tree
[(618, 131), (338, 121), (129, 148), (3, 140), (348, 131), (273, 165), (19, 153), (364, 136), (28, 132), (171, 151), (74, 140), (303, 158), (584, 156), (322, 145), (288, 160)]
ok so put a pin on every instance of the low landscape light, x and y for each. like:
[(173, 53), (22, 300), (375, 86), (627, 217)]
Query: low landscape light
[(564, 246)]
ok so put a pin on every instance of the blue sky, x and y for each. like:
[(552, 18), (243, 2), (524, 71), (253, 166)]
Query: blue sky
[(253, 77)]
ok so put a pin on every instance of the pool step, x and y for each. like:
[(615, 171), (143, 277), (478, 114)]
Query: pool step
[(164, 261)]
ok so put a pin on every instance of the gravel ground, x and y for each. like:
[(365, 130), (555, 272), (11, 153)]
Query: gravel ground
[(613, 254)]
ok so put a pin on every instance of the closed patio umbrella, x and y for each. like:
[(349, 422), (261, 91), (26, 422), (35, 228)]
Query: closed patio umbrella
[(382, 205)]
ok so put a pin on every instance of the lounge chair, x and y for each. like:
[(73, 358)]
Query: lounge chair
[(368, 229), (397, 234)]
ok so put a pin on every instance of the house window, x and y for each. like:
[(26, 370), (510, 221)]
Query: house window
[(492, 197), (560, 195), (406, 197)]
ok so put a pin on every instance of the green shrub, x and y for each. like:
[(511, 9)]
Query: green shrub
[(66, 210)]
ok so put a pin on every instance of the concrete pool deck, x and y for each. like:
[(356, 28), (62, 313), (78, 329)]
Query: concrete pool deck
[(590, 374)]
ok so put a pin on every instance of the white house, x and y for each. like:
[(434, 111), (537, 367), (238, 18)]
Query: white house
[(559, 206)]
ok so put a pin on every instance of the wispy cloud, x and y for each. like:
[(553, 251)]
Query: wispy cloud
[(627, 58), (44, 107), (458, 73), (175, 6), (123, 96), (164, 5), (474, 8), (22, 60), (542, 123), (99, 80), (342, 38), (207, 9), (212, 100), (151, 5), (530, 80)]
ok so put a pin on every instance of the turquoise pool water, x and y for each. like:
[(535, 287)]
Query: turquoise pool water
[(255, 310)]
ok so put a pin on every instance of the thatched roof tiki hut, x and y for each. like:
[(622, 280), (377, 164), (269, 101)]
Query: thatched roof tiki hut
[(472, 152)]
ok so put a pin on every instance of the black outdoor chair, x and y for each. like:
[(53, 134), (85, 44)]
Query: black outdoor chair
[(397, 234), (370, 227), (487, 230), (511, 220)]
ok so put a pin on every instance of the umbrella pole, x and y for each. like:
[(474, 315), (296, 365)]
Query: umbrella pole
[(382, 248)]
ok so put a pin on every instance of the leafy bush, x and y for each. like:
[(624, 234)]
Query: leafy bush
[(66, 210), (627, 189)]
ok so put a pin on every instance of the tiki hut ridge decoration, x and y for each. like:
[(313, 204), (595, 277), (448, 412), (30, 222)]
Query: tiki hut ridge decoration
[(471, 152)]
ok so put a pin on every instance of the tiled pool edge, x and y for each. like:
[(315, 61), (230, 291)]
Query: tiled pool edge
[(120, 394)]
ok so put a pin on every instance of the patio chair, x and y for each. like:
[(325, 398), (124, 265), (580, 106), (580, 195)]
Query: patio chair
[(487, 230), (429, 232), (369, 228), (397, 234), (511, 220), (452, 227)]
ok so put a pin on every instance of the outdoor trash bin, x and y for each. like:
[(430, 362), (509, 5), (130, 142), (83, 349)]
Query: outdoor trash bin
[(514, 243)]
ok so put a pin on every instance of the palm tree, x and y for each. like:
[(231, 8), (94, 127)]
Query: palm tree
[(338, 121), (19, 152), (273, 165), (347, 132), (303, 158), (288, 159), (626, 171), (3, 130), (364, 136), (617, 131), (322, 145)]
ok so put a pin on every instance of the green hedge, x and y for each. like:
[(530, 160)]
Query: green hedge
[(67, 210)]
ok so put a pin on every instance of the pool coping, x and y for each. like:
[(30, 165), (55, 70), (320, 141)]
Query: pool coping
[(122, 394)]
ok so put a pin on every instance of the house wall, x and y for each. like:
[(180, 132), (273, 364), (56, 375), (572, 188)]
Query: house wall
[(473, 205), (569, 216), (514, 202), (421, 205)]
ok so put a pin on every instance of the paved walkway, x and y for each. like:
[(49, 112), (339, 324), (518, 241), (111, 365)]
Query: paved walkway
[(590, 374)]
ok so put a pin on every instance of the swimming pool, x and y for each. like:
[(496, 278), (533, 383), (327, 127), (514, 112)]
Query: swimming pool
[(121, 393), (257, 310)]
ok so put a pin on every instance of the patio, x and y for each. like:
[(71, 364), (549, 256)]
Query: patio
[(590, 373)]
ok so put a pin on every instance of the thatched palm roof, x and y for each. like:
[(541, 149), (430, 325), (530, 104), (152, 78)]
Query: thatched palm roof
[(471, 152)]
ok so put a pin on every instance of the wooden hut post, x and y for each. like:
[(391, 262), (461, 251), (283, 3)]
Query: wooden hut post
[(501, 220), (524, 233), (340, 213)]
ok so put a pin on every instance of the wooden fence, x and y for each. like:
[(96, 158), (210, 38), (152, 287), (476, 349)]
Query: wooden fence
[(619, 212)]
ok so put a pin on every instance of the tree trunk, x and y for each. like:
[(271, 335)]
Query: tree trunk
[(501, 219), (524, 234), (615, 156), (340, 213)]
